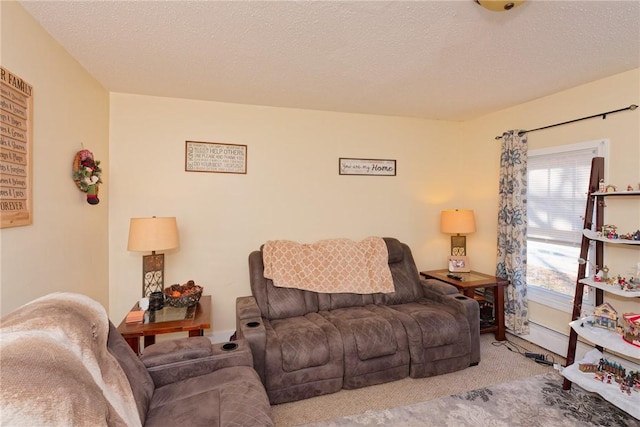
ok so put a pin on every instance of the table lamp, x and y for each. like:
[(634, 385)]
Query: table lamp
[(151, 235), (458, 221)]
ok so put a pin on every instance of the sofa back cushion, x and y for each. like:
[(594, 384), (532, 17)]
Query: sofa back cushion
[(275, 302), (406, 278), (141, 383), (281, 303), (336, 301)]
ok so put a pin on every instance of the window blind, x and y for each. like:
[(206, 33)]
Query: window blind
[(556, 194)]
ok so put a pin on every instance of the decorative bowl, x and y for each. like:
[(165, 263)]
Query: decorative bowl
[(186, 295)]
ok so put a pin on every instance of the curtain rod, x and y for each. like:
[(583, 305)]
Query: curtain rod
[(604, 116)]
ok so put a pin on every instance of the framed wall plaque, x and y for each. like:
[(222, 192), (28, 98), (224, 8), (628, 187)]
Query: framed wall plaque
[(215, 157), (379, 167), (16, 147)]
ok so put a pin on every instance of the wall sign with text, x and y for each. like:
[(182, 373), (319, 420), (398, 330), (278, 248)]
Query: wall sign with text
[(16, 130), (382, 167), (215, 157)]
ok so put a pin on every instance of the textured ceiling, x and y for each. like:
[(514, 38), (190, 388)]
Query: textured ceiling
[(435, 59)]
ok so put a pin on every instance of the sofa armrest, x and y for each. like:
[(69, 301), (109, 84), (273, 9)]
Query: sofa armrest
[(251, 327), (246, 308), (177, 360), (438, 287), (178, 350)]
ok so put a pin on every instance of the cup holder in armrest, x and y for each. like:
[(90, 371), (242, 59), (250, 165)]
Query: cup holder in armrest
[(460, 297), (253, 324), (229, 346)]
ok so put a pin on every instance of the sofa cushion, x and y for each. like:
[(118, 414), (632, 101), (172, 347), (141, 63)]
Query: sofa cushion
[(285, 302), (335, 301), (303, 343), (278, 303), (375, 345), (438, 326), (438, 335), (395, 249), (374, 336), (227, 397), (141, 383), (406, 279)]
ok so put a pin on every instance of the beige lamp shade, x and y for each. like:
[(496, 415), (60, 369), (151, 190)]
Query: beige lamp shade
[(457, 221), (153, 234)]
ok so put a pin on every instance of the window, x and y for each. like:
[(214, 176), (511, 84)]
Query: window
[(558, 181)]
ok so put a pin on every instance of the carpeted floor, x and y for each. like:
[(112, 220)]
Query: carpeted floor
[(501, 362), (537, 401)]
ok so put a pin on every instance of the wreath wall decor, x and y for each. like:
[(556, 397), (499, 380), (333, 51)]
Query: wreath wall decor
[(86, 174)]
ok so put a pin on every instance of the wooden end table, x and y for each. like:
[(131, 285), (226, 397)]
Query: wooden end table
[(468, 285), (196, 321)]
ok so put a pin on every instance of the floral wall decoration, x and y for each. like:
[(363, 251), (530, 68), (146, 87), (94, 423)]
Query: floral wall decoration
[(86, 174)]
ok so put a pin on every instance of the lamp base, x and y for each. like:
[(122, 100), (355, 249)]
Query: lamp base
[(458, 245), (152, 274)]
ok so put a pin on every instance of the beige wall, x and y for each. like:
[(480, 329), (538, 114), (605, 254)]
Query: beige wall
[(66, 247), (623, 166), (292, 189)]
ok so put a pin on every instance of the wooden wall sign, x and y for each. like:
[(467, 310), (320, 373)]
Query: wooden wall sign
[(215, 157), (16, 130), (379, 167)]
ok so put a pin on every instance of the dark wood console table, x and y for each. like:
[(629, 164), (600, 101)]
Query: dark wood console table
[(194, 321)]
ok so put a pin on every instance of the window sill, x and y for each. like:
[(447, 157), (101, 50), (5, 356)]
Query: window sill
[(556, 300)]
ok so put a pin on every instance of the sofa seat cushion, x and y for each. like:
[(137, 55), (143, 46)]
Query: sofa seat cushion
[(375, 345), (438, 325), (439, 337), (302, 341), (373, 335), (227, 397), (295, 344)]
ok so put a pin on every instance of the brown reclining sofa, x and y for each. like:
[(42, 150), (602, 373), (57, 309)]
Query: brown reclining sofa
[(305, 344)]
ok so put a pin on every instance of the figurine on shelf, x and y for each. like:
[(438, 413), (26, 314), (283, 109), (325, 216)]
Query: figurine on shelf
[(605, 316), (601, 186), (611, 188), (609, 231), (621, 282), (629, 187)]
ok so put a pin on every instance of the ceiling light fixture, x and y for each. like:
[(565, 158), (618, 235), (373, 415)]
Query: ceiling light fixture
[(498, 6)]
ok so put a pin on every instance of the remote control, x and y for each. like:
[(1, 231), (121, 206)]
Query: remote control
[(453, 276)]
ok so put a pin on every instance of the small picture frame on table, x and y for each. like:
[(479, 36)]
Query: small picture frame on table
[(459, 264)]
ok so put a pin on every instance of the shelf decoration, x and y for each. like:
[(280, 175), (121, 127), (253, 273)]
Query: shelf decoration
[(86, 174), (611, 235), (605, 316), (631, 328)]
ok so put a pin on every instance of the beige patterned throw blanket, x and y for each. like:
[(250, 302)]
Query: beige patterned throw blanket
[(56, 368), (329, 266)]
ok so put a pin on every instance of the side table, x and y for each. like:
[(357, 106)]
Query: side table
[(194, 321), (468, 285)]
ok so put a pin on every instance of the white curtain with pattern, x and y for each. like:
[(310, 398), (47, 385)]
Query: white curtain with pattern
[(512, 229)]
